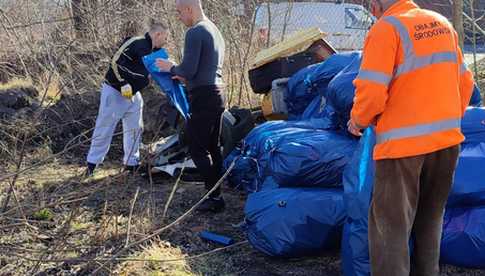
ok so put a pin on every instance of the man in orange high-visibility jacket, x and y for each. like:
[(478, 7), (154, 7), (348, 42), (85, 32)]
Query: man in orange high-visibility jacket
[(414, 87)]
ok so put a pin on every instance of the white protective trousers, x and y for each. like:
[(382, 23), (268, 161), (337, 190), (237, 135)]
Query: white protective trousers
[(114, 107)]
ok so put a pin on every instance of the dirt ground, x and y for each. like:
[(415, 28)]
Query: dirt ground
[(89, 220)]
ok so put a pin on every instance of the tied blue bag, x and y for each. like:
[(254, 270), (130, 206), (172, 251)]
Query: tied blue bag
[(290, 222), (248, 171), (314, 160), (341, 91), (311, 81), (172, 88)]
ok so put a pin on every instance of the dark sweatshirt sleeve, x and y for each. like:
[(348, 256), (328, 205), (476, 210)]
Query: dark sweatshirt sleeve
[(133, 54), (192, 49)]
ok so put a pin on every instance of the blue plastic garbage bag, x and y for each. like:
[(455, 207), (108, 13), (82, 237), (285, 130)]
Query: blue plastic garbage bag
[(358, 177), (469, 181), (341, 90), (473, 125), (262, 157), (316, 159), (264, 137), (172, 88), (355, 249), (321, 113), (255, 151), (244, 173), (311, 81), (358, 181), (315, 109), (476, 99), (269, 184), (295, 222), (463, 240), (256, 148)]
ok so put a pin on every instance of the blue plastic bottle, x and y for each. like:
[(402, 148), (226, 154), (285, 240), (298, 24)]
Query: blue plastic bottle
[(216, 238)]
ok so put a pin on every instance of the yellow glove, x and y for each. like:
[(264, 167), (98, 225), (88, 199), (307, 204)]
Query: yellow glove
[(126, 91)]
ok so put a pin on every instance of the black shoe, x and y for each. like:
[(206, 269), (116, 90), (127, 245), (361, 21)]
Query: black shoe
[(90, 170), (212, 205)]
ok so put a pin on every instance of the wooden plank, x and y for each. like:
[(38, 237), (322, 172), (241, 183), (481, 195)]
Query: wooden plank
[(296, 43)]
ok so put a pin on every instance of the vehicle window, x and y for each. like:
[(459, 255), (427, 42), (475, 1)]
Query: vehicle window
[(357, 18)]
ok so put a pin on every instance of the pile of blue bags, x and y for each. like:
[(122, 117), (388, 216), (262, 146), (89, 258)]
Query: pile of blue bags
[(310, 182), (293, 169)]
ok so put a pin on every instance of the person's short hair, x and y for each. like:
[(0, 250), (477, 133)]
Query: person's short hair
[(156, 26)]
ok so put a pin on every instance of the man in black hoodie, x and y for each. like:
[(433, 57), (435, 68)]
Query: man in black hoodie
[(121, 99)]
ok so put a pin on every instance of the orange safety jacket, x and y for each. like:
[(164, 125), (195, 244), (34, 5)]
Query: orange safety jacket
[(412, 83)]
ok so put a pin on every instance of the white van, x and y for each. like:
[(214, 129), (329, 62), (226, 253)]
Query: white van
[(345, 25)]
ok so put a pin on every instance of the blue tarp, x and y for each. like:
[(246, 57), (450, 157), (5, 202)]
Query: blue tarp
[(172, 88), (355, 248), (341, 90), (311, 81), (463, 241), (358, 181), (473, 125), (476, 99), (469, 187), (295, 222), (316, 159), (469, 181)]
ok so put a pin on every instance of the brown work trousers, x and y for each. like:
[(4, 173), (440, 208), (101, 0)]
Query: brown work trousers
[(409, 198)]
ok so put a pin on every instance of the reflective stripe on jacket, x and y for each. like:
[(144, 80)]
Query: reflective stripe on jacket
[(412, 83)]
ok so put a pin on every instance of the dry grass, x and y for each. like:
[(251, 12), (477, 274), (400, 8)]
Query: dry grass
[(153, 253), (48, 88), (16, 83)]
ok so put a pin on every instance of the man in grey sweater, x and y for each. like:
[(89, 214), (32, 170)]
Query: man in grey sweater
[(201, 71)]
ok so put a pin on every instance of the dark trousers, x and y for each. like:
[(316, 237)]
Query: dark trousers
[(203, 130), (409, 198)]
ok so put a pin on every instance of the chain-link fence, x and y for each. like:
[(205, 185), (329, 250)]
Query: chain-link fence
[(346, 24)]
